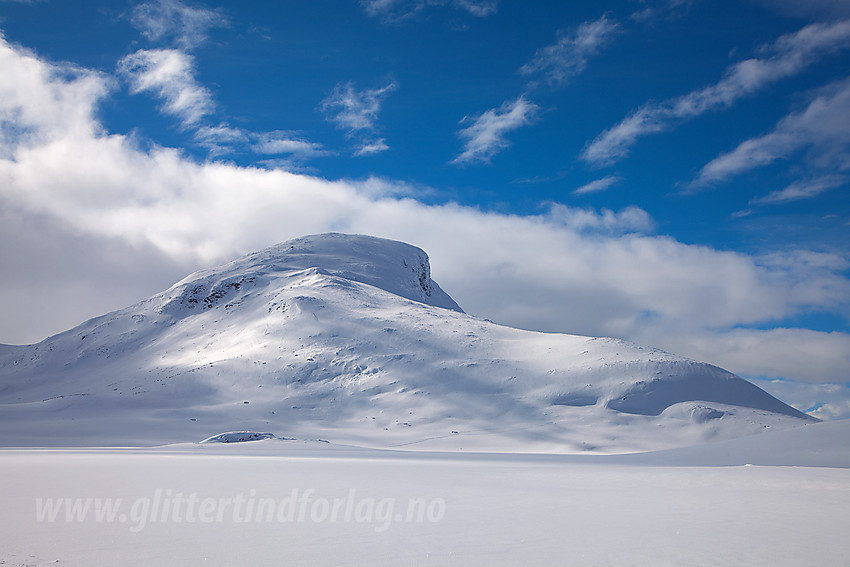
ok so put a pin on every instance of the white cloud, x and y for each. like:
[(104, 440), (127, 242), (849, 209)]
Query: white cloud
[(221, 139), (824, 401), (169, 75), (799, 354), (786, 57), (146, 217), (396, 11), (225, 139), (598, 185), (631, 220), (373, 147), (568, 56), (356, 112), (478, 8), (282, 142), (185, 25), (667, 9), (820, 400), (32, 110), (807, 189), (824, 126), (485, 137)]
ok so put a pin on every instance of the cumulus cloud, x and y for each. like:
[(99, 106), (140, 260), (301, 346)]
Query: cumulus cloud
[(568, 56), (168, 74), (147, 216), (598, 185), (485, 137), (186, 26), (786, 57), (824, 126), (356, 112)]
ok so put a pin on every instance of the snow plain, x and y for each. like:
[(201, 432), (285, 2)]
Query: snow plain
[(352, 414), (480, 509)]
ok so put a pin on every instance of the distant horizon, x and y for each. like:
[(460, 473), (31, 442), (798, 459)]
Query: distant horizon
[(670, 173)]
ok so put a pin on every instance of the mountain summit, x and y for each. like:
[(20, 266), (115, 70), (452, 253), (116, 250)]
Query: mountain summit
[(392, 266), (347, 338)]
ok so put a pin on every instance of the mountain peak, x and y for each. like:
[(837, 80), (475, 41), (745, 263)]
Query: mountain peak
[(395, 267)]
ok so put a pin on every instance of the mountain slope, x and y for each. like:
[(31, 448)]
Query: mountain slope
[(347, 338)]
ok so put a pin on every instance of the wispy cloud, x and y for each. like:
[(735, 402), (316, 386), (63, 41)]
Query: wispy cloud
[(568, 56), (220, 139), (168, 74), (396, 11), (799, 190), (171, 20), (665, 9), (373, 147), (485, 137), (225, 139), (356, 112), (786, 57), (807, 189), (598, 185), (478, 8), (282, 142), (556, 63), (823, 126)]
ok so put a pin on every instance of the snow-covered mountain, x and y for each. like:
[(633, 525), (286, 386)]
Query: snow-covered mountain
[(347, 338)]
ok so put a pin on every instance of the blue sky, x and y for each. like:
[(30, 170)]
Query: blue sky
[(672, 172)]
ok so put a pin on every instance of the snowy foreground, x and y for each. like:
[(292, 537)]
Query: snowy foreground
[(276, 502)]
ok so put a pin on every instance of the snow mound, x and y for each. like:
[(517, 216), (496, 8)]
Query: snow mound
[(238, 437)]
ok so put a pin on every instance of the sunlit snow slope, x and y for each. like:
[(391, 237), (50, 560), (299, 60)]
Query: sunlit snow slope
[(347, 338)]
